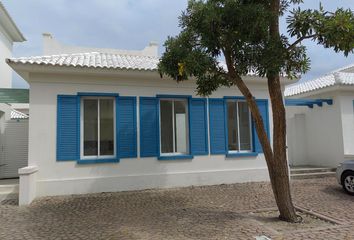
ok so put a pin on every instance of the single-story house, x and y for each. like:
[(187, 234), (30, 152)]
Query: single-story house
[(321, 125), (105, 120)]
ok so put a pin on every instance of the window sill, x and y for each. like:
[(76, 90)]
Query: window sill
[(176, 157), (89, 161), (248, 154)]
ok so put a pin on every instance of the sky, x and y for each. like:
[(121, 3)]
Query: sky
[(130, 24)]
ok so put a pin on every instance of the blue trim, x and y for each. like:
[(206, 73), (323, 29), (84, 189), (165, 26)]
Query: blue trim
[(173, 96), (117, 125), (91, 161), (248, 154), (211, 133), (235, 97), (88, 161), (267, 118), (140, 126), (254, 133), (158, 129), (133, 98), (58, 125), (176, 157), (155, 145), (135, 129), (308, 102), (97, 94), (188, 98), (226, 127), (206, 107), (189, 124), (78, 154), (59, 113), (63, 156)]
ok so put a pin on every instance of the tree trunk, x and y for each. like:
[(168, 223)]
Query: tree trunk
[(278, 169), (276, 158)]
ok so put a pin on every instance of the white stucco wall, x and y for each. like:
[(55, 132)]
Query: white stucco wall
[(296, 136), (347, 117), (322, 136), (55, 178), (5, 52)]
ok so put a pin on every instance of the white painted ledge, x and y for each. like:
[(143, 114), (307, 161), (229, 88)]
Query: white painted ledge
[(27, 170), (27, 190)]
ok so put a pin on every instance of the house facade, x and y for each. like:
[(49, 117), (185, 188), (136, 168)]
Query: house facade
[(321, 126), (13, 125), (9, 34), (105, 121)]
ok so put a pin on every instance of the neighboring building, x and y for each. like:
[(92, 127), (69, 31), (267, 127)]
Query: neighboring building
[(324, 134), (9, 34), (105, 120), (13, 130)]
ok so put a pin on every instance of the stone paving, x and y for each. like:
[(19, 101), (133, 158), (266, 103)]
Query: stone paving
[(211, 212)]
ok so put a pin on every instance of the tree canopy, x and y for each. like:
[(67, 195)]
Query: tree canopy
[(240, 28)]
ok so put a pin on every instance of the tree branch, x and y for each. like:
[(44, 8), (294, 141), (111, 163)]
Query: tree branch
[(299, 40)]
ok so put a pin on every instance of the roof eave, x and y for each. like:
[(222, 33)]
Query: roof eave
[(24, 70), (10, 26), (324, 90)]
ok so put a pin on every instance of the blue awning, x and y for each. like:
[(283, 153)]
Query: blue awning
[(307, 102)]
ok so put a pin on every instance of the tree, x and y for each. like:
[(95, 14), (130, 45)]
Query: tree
[(245, 35)]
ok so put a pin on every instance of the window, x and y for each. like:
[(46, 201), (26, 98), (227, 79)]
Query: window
[(174, 127), (97, 128), (239, 127)]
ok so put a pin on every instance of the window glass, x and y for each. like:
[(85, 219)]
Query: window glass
[(90, 122), (173, 126), (244, 125), (239, 126), (180, 115), (166, 124), (232, 126), (98, 123), (106, 127)]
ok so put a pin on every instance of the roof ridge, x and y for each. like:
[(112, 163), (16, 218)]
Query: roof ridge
[(343, 68)]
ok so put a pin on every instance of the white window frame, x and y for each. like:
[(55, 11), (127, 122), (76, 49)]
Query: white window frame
[(174, 153), (238, 129), (98, 129)]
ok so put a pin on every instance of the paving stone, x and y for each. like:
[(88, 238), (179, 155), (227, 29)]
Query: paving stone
[(209, 212)]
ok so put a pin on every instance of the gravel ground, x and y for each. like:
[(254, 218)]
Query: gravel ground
[(210, 212)]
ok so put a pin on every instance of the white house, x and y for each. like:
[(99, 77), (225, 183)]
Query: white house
[(104, 120), (9, 34), (321, 125), (13, 124)]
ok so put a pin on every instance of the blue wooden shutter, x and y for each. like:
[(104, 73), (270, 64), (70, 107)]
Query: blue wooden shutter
[(217, 126), (149, 127), (68, 146), (263, 108), (127, 127), (198, 126)]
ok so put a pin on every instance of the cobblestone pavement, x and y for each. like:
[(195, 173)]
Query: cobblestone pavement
[(211, 212)]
